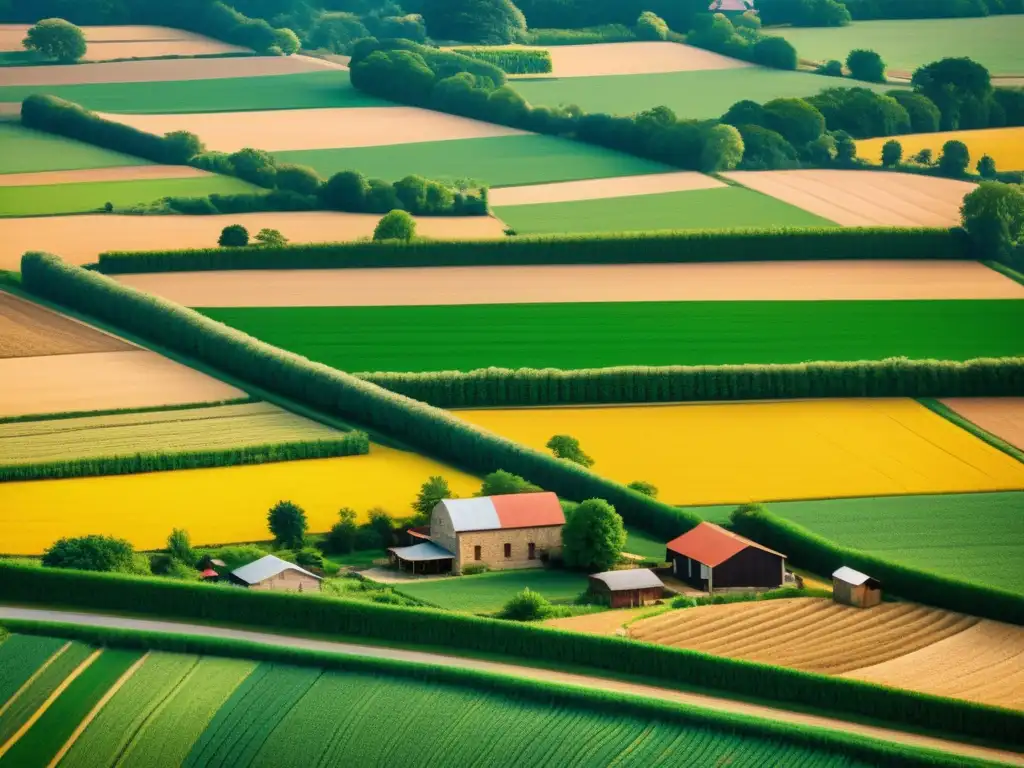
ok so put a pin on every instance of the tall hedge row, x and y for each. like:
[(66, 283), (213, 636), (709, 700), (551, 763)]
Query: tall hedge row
[(895, 377), (514, 61), (431, 430), (508, 687), (822, 555), (452, 631), (620, 248), (352, 444)]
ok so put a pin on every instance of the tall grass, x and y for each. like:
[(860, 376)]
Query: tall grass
[(513, 61)]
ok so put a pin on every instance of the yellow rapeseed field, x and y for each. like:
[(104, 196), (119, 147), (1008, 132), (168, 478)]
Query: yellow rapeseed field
[(1004, 145), (214, 505), (769, 451)]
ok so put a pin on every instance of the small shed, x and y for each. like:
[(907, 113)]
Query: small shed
[(709, 557), (425, 557), (851, 587), (273, 573), (627, 588)]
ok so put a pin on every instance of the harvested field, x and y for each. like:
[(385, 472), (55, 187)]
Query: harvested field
[(196, 429), (723, 207), (27, 151), (820, 449), (500, 161), (634, 58), (87, 175), (1004, 145), (432, 286), (1002, 416), (864, 198), (596, 189), (984, 663), (216, 506), (80, 239), (29, 330), (318, 128), (102, 380), (602, 623)]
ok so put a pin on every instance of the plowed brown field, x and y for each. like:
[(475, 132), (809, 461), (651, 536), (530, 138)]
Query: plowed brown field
[(1002, 416), (900, 644), (28, 330)]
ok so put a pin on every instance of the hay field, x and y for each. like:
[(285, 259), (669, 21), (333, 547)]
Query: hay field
[(698, 95), (499, 161), (864, 198), (633, 58), (432, 286), (215, 505), (905, 45), (194, 429), (1002, 416), (735, 453), (29, 330), (1004, 145), (723, 207), (598, 189), (28, 151), (85, 197), (80, 239), (302, 90), (603, 334), (102, 380), (318, 128)]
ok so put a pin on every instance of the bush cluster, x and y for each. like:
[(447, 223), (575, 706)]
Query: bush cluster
[(829, 13)]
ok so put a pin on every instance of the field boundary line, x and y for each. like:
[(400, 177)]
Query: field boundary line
[(1006, 271), (941, 409), (4, 748), (35, 676), (32, 417)]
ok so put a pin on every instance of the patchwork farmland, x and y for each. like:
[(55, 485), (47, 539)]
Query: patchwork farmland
[(1004, 145)]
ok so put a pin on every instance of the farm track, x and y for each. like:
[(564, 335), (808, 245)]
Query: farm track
[(598, 683)]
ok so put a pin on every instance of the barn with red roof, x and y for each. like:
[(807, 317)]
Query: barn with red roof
[(709, 557), (509, 531)]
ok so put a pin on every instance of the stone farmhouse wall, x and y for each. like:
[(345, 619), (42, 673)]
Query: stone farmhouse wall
[(492, 547)]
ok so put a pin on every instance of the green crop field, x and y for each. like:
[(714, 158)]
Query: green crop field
[(364, 339), (28, 151), (20, 657), (700, 95), (994, 41), (644, 544), (488, 592), (86, 197), (719, 208), (309, 90), (499, 161), (195, 429)]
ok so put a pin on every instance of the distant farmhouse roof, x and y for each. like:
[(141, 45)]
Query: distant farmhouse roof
[(712, 545), (854, 578), (731, 5), (633, 578), (494, 513), (426, 550), (265, 568)]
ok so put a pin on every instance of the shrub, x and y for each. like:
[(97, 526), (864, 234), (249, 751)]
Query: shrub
[(396, 225), (179, 547), (91, 553), (650, 26), (647, 489), (255, 166), (723, 149), (892, 153), (831, 68), (341, 539), (271, 238), (924, 115), (309, 557), (846, 148), (501, 483), (775, 52), (287, 522), (233, 236), (986, 167), (526, 606), (954, 159), (475, 569), (297, 178), (346, 191), (924, 157), (493, 22), (993, 216), (765, 150), (286, 41), (236, 555), (797, 121), (568, 448), (593, 537), (182, 146), (56, 39), (433, 491), (866, 65)]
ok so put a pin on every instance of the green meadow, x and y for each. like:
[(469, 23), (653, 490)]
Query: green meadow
[(594, 335), (719, 208), (488, 592), (28, 151)]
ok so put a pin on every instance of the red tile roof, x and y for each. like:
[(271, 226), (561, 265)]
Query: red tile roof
[(713, 545), (528, 510)]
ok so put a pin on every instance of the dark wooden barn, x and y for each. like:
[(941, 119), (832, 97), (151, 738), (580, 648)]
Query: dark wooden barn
[(710, 557), (627, 588)]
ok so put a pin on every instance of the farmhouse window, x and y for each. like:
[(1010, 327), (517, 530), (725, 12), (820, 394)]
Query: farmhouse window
[(532, 551), (508, 550), (476, 552)]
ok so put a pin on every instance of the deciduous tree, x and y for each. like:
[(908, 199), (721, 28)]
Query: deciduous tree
[(56, 39), (568, 448), (287, 522), (593, 537), (90, 553), (395, 225)]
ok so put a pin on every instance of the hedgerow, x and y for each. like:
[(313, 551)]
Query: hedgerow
[(868, 243), (513, 61)]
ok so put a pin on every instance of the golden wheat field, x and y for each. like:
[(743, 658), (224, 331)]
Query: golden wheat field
[(1004, 145), (214, 505), (724, 453), (901, 644)]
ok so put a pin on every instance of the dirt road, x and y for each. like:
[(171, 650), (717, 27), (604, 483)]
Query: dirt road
[(546, 675)]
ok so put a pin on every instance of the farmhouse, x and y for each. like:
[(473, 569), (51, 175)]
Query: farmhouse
[(510, 531), (709, 557), (627, 588), (273, 573), (851, 587)]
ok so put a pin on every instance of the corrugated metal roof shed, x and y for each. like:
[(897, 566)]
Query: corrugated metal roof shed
[(850, 576), (633, 578), (514, 510), (427, 550), (712, 545), (266, 567)]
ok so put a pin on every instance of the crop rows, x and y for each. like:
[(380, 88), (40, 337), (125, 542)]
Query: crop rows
[(20, 657)]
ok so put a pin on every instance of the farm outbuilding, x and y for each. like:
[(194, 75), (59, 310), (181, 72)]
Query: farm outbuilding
[(851, 587), (274, 574), (709, 557), (627, 588)]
